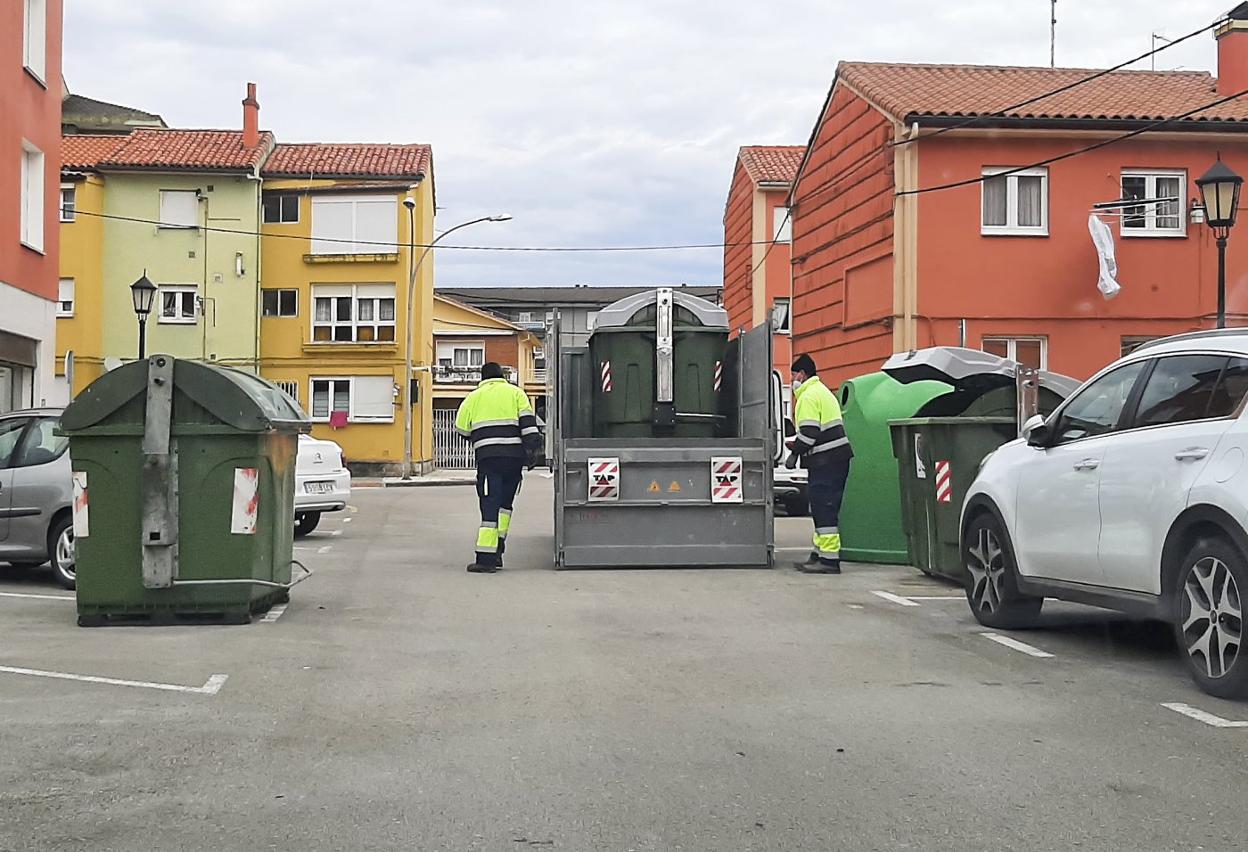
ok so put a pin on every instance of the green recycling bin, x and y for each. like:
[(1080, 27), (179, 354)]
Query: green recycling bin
[(871, 517), (184, 477)]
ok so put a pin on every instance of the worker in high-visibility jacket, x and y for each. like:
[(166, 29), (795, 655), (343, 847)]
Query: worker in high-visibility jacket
[(823, 449), (499, 420)]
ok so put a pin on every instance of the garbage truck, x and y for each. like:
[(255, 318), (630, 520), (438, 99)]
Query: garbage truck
[(663, 433)]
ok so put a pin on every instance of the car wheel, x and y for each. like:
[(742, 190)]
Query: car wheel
[(1209, 618), (62, 553), (306, 522), (992, 584)]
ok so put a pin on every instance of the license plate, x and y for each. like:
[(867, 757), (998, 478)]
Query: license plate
[(318, 487)]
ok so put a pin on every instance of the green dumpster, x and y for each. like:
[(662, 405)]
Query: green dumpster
[(184, 477), (628, 394), (871, 518)]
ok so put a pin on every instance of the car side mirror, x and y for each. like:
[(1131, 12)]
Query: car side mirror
[(1036, 431)]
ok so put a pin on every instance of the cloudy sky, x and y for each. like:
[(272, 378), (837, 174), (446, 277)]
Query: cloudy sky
[(593, 122)]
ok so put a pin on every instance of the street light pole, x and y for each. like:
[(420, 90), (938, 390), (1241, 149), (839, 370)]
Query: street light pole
[(1222, 279), (142, 294), (408, 401)]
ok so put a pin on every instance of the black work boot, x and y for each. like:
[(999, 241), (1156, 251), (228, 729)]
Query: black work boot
[(812, 559), (478, 568), (821, 566)]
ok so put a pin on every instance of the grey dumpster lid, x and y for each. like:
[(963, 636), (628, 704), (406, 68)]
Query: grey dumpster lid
[(238, 399), (620, 313), (967, 370)]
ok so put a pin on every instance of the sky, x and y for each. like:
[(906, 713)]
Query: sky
[(592, 122)]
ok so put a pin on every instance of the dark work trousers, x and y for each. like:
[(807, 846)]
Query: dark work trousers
[(498, 480), (826, 485)]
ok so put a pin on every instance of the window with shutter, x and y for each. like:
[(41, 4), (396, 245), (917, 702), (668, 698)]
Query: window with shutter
[(179, 208), (355, 224)]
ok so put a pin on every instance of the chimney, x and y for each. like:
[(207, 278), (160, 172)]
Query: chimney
[(251, 117), (1232, 37)]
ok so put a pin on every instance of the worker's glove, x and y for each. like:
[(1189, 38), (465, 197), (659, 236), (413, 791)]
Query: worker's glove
[(791, 461)]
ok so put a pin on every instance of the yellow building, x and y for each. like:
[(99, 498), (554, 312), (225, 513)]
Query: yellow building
[(337, 221), (464, 338)]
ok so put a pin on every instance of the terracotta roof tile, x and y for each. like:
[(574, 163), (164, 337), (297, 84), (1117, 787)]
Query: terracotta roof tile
[(772, 163), (80, 152), (966, 90), (188, 149), (333, 159)]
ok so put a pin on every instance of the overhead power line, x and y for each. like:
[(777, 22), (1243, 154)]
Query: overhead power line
[(1104, 143), (1005, 111)]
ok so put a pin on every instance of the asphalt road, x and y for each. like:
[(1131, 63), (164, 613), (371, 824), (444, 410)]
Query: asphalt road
[(401, 703)]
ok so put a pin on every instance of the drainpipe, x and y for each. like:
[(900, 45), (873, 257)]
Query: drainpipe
[(255, 177), (203, 348)]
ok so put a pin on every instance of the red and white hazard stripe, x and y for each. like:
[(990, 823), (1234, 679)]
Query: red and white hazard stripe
[(726, 479), (606, 377), (944, 483), (719, 375)]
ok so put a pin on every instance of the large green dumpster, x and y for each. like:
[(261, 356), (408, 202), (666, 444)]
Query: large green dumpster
[(871, 519), (629, 397), (184, 479)]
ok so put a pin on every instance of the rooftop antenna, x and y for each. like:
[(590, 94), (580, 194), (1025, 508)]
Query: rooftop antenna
[(1052, 33), (1152, 60)]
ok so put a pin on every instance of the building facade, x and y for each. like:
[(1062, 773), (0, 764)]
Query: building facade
[(30, 153), (889, 257)]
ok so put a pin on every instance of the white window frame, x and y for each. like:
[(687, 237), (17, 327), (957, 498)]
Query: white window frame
[(387, 243), (1011, 345), (447, 350), (782, 325), (1150, 228), (781, 225), (1011, 226), (171, 223), (61, 301), (279, 291), (35, 39), (69, 209), (353, 415), (183, 290), (32, 197), (358, 293), (281, 195), (524, 317)]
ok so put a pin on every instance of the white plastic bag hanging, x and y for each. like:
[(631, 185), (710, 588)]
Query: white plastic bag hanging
[(1103, 239)]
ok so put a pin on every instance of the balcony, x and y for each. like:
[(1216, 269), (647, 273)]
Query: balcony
[(539, 377), (442, 374)]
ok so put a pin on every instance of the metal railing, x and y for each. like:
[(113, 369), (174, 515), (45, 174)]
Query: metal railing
[(465, 375)]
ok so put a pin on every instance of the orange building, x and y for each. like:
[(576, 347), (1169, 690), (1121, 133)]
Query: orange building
[(757, 280), (30, 164), (1007, 263)]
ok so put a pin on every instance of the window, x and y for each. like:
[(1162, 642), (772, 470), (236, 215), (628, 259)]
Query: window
[(525, 317), (65, 298), (32, 197), (1159, 218), (69, 202), (1229, 394), (179, 208), (40, 445), (781, 318), (1183, 388), (353, 313), (1097, 408), (591, 320), (355, 224), (279, 303), (178, 304), (363, 398), (35, 38), (10, 434), (461, 355), (291, 389), (781, 225), (1029, 351), (1015, 203), (1130, 343), (280, 208)]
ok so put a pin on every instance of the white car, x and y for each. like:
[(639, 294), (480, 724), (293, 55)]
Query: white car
[(322, 482), (1132, 496)]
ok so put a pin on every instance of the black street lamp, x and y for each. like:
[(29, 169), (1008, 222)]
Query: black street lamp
[(1219, 187), (143, 293)]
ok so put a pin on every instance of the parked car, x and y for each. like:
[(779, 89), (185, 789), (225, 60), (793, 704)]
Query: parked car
[(322, 482), (1132, 496), (36, 492), (789, 487)]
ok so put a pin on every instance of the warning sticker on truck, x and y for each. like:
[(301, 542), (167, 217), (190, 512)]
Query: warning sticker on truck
[(726, 479), (604, 480)]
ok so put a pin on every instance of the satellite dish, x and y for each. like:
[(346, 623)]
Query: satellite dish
[(112, 363)]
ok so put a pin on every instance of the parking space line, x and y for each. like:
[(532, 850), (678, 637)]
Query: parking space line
[(273, 614), (323, 549), (336, 532), (897, 599), (347, 520), (211, 687), (1202, 716), (38, 597), (936, 597), (1030, 650)]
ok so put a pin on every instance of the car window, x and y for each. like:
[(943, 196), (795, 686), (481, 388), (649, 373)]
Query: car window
[(41, 444), (1229, 393), (1097, 408), (10, 433), (1180, 389)]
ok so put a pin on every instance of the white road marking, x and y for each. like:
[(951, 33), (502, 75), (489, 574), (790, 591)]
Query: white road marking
[(936, 597), (324, 549), (336, 532), (897, 599), (353, 509), (854, 606), (274, 614), (347, 520), (1030, 650), (38, 597), (211, 687), (1201, 716), (298, 547)]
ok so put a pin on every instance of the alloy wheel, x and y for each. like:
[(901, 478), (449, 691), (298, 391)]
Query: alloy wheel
[(987, 569), (64, 552), (1213, 624)]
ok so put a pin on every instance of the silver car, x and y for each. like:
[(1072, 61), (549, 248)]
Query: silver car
[(36, 493)]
